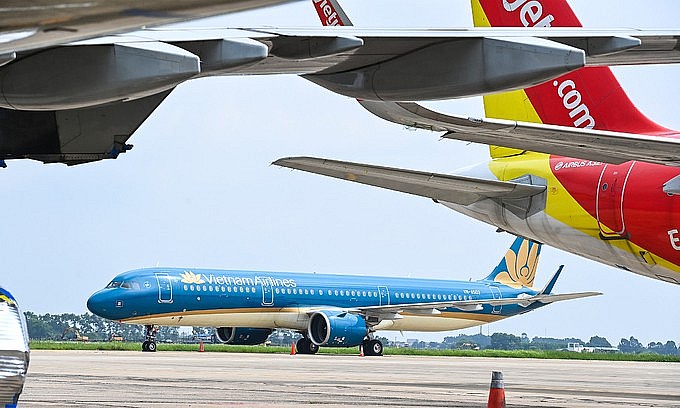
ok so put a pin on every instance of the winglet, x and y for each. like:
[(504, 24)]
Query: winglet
[(549, 286)]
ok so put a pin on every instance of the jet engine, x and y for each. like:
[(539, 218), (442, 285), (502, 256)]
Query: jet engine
[(241, 336), (337, 329)]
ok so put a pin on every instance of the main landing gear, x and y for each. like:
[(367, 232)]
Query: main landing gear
[(305, 346), (150, 338), (372, 347)]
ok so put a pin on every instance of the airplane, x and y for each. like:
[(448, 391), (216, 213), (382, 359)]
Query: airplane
[(70, 94), (328, 310), (602, 204), (14, 349)]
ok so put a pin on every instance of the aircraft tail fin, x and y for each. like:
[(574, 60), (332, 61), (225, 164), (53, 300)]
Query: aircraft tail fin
[(590, 97), (330, 13), (518, 267)]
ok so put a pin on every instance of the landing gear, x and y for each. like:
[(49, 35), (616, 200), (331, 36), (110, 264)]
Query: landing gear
[(150, 338), (305, 346), (372, 347)]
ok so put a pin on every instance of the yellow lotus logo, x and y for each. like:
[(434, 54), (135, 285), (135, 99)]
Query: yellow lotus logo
[(521, 266), (192, 278)]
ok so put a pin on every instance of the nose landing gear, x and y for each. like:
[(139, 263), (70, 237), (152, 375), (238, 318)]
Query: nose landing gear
[(150, 338)]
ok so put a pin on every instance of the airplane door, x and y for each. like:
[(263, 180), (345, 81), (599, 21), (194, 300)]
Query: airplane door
[(496, 293), (609, 200), (384, 294), (267, 293), (164, 288)]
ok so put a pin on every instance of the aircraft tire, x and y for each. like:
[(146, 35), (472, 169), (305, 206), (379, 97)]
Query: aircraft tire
[(145, 346), (151, 346), (303, 346), (375, 348), (313, 348)]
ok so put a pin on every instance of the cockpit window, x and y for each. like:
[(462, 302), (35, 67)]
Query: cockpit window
[(130, 285), (123, 284)]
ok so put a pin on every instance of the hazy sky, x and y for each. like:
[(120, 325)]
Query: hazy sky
[(198, 191)]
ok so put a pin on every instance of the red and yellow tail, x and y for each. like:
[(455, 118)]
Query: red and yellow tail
[(590, 97)]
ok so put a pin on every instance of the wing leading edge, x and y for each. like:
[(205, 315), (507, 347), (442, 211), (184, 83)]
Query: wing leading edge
[(440, 187)]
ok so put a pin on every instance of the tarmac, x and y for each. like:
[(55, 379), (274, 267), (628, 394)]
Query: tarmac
[(192, 379)]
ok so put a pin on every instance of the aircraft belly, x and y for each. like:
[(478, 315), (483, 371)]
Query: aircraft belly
[(243, 318), (544, 228), (433, 323)]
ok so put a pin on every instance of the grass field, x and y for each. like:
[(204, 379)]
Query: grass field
[(563, 355)]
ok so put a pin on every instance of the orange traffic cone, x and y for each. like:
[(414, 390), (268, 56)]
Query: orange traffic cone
[(292, 348), (496, 391), (201, 347), (361, 350)]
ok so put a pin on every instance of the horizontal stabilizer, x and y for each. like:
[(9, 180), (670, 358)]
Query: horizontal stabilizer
[(597, 145), (448, 188)]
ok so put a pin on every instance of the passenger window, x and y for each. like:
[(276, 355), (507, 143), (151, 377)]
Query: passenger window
[(363, 293), (307, 292)]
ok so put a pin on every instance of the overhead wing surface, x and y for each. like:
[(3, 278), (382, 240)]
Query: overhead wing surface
[(34, 24), (597, 145), (454, 189)]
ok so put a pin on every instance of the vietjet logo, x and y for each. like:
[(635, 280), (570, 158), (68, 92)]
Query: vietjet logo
[(530, 12), (573, 102), (327, 12)]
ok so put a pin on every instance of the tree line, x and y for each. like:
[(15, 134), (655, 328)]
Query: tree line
[(69, 326)]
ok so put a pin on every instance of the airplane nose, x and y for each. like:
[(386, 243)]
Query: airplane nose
[(98, 304)]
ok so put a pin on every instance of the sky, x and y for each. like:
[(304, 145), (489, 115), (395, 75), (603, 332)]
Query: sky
[(198, 190)]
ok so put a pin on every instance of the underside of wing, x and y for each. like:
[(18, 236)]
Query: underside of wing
[(597, 145), (441, 187)]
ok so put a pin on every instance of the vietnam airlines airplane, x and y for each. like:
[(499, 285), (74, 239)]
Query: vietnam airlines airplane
[(602, 203), (328, 310), (76, 83)]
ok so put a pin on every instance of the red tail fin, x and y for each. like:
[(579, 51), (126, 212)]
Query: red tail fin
[(330, 13), (590, 97)]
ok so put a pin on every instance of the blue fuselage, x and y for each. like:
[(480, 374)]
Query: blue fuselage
[(197, 297)]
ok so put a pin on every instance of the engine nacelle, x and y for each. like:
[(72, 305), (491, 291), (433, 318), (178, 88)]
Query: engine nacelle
[(460, 68), (241, 336), (337, 329)]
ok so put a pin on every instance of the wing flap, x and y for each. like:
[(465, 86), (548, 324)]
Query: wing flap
[(449, 188), (597, 145)]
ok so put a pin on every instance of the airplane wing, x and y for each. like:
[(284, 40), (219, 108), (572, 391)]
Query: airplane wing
[(33, 24), (435, 308), (38, 86), (596, 145), (449, 188)]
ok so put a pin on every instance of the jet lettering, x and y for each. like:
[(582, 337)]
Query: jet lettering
[(572, 100), (531, 12), (674, 240), (331, 15)]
